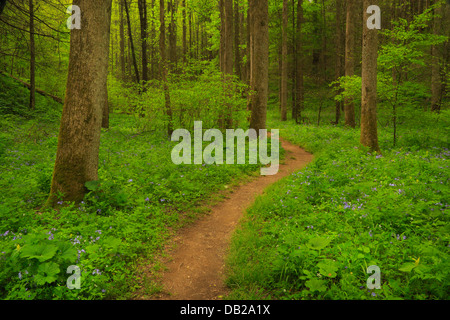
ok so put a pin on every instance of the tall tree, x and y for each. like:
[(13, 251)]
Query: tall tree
[(228, 41), (300, 61), (122, 39), (164, 66), (142, 5), (79, 136), (172, 35), (184, 37), (349, 106), (32, 57), (130, 38), (369, 135), (339, 45), (438, 59), (259, 62), (284, 67)]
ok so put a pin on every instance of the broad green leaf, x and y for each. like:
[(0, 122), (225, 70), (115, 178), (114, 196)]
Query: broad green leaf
[(318, 243), (68, 252), (40, 252), (407, 267), (47, 273), (328, 268), (316, 285)]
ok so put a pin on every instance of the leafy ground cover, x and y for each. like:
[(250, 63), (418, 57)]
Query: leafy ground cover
[(314, 234), (141, 198)]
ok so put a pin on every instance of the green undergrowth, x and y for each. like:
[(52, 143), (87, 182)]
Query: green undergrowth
[(314, 234), (124, 222)]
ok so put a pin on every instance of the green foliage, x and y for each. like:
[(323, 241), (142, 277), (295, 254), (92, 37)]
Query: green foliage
[(313, 235), (140, 198), (187, 104)]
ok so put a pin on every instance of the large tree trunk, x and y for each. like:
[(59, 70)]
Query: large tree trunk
[(32, 59), (259, 62), (284, 69), (349, 105), (369, 135), (79, 135)]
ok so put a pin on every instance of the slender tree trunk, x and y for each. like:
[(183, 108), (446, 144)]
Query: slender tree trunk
[(164, 67), (172, 36), (237, 42), (122, 40), (248, 46), (153, 62), (339, 69), (142, 5), (284, 67), (259, 66), (32, 58), (228, 39), (130, 35), (79, 136), (349, 105), (369, 135), (436, 80), (300, 61), (184, 31)]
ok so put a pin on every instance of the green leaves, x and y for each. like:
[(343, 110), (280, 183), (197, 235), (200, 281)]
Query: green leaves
[(41, 252), (328, 268), (316, 285), (47, 273), (318, 243)]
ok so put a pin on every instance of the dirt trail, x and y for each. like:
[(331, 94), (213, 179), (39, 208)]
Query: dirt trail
[(196, 268)]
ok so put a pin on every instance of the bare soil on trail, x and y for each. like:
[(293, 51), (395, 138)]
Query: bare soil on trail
[(195, 268)]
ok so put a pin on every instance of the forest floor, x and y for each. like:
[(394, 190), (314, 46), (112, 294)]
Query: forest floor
[(196, 264)]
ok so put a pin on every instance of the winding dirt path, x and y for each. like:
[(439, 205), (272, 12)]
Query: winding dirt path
[(196, 267)]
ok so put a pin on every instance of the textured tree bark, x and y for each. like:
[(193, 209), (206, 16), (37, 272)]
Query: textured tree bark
[(284, 69), (259, 65), (32, 58), (79, 135), (369, 135), (349, 105)]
